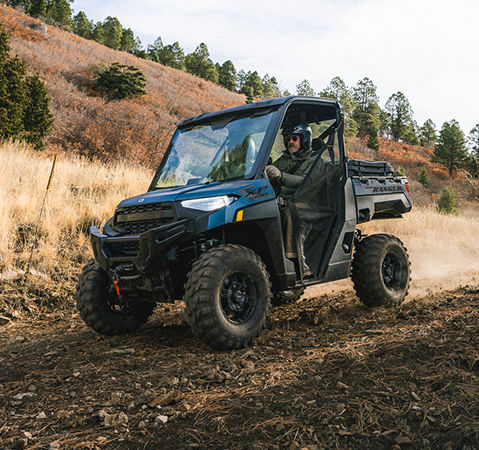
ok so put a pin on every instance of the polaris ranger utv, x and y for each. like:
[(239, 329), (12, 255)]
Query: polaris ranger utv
[(208, 230)]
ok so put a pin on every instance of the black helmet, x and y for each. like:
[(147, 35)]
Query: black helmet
[(305, 133)]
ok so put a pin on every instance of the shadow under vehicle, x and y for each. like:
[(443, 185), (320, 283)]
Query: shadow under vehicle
[(208, 230)]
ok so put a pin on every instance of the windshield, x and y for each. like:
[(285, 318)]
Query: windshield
[(223, 150)]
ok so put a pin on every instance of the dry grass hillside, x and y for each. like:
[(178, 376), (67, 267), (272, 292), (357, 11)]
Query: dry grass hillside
[(81, 193), (85, 123)]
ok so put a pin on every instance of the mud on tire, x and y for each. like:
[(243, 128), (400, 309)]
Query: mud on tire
[(227, 296), (381, 270), (101, 308)]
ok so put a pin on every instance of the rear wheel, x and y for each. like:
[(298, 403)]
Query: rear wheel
[(227, 295), (381, 270), (102, 309)]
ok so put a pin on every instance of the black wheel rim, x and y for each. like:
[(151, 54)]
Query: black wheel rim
[(393, 272), (238, 297)]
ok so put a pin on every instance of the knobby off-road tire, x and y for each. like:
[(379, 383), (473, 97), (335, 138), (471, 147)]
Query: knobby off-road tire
[(101, 308), (381, 270), (287, 297), (227, 296)]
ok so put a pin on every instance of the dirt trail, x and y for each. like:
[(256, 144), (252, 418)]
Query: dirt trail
[(327, 372)]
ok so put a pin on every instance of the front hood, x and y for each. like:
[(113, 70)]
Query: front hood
[(188, 192)]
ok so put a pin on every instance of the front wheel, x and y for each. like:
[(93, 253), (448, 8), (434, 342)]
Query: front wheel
[(381, 270), (101, 308), (227, 296)]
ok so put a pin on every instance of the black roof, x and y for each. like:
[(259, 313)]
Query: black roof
[(268, 103)]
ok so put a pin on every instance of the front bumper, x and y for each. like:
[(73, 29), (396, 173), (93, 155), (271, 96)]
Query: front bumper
[(151, 245)]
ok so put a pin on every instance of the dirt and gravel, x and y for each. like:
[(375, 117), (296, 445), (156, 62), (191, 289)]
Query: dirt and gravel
[(326, 373)]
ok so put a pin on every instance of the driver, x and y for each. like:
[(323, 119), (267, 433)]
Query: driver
[(288, 171)]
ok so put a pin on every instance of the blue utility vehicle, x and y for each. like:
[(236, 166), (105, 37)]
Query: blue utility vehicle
[(208, 230)]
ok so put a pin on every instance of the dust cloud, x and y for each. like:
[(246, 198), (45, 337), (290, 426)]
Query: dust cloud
[(435, 266)]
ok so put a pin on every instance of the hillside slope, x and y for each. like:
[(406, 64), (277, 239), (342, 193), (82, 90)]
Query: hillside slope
[(137, 130)]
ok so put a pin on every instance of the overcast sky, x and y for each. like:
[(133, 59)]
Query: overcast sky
[(428, 50)]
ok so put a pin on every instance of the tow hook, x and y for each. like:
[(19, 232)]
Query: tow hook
[(116, 277), (118, 290)]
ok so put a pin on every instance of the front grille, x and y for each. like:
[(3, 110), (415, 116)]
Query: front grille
[(140, 218), (123, 248)]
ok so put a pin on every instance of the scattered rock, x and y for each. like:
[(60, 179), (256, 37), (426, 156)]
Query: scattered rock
[(403, 440), (23, 395), (184, 407), (27, 435), (42, 415), (247, 364), (165, 399), (161, 419), (113, 420)]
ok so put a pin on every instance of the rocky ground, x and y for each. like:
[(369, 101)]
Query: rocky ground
[(326, 373)]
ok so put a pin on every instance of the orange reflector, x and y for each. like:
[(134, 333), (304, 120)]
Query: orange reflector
[(408, 188), (239, 216)]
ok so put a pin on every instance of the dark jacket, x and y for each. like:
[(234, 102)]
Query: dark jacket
[(294, 167)]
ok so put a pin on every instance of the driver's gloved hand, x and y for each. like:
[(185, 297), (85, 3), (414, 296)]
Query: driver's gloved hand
[(273, 173)]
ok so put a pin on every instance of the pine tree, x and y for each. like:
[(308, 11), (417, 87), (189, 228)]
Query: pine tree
[(12, 91), (23, 5), (247, 90), (112, 32), (304, 88), (199, 63), (373, 141), (127, 42), (473, 144), (428, 134), (24, 107), (82, 26), (450, 149), (366, 112), (60, 12), (424, 177), (338, 90), (97, 33), (241, 80), (447, 203), (38, 8), (154, 49), (37, 118), (400, 121), (473, 141), (227, 75), (120, 81), (253, 84), (172, 55)]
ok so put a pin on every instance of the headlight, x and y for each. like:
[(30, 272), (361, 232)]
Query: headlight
[(208, 203)]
